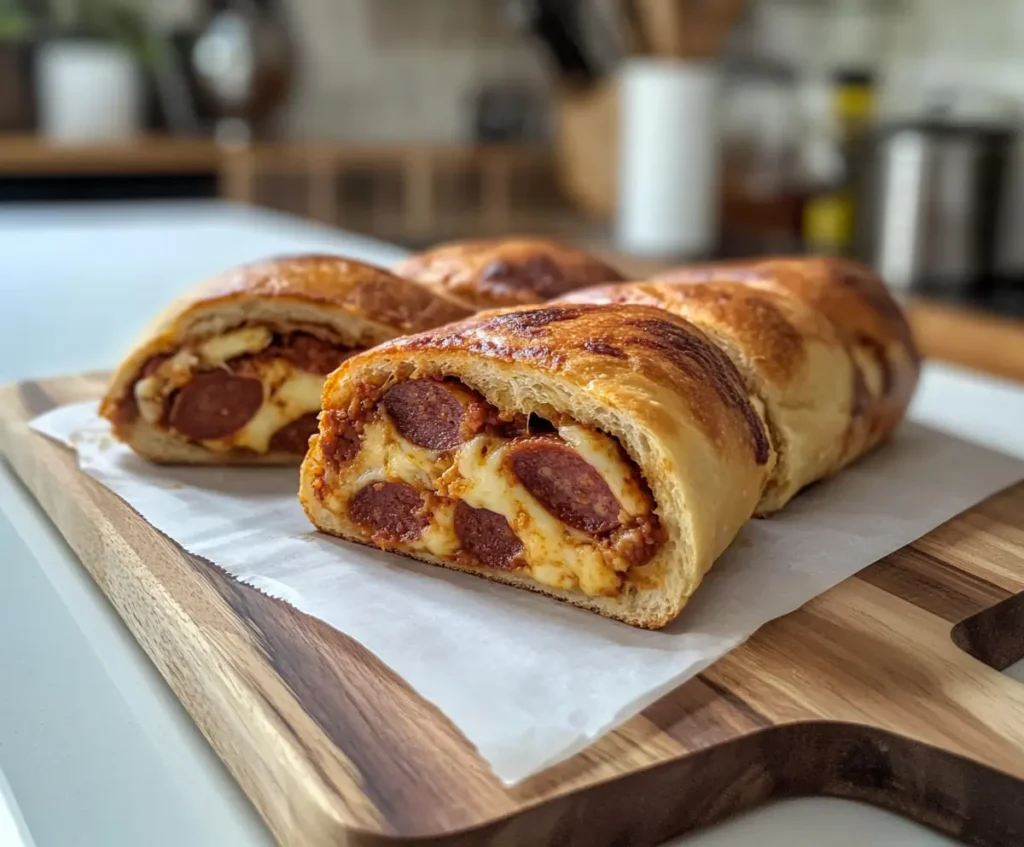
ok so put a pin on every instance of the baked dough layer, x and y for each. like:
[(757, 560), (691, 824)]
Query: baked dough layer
[(791, 357), (869, 323)]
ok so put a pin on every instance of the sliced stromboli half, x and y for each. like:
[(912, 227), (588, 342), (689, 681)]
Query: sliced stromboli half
[(492, 274), (604, 455), (233, 371), (869, 321), (790, 356)]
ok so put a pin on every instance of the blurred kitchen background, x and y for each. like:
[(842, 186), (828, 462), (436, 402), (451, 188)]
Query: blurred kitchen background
[(671, 130)]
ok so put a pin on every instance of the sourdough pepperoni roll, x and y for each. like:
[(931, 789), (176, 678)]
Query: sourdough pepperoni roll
[(233, 371), (604, 455), (491, 274), (870, 323), (792, 360)]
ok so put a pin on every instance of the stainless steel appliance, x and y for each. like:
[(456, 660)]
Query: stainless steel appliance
[(933, 193)]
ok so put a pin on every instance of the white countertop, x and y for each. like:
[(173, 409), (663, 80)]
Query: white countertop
[(94, 748)]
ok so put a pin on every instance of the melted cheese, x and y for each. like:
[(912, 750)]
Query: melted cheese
[(478, 473), (288, 394), (151, 391), (556, 555), (149, 396), (384, 456), (220, 348), (604, 455)]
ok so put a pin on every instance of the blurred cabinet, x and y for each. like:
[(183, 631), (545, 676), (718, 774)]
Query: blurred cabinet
[(407, 193), (154, 168)]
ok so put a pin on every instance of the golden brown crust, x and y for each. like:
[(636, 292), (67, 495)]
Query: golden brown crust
[(758, 319), (790, 355), (578, 341), (508, 272), (847, 293), (331, 282), (868, 319)]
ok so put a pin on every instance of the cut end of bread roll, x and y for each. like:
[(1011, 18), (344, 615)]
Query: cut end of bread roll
[(489, 274), (232, 373), (604, 456)]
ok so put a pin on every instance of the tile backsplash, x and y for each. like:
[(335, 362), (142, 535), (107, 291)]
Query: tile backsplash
[(400, 70), (393, 70), (923, 49)]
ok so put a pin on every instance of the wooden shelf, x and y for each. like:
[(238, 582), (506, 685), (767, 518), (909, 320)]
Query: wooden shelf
[(407, 192), (28, 155)]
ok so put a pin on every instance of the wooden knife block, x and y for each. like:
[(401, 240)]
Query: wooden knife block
[(586, 147)]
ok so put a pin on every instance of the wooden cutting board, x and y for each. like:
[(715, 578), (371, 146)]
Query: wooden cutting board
[(885, 690)]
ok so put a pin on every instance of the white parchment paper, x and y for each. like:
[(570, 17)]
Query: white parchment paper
[(528, 680)]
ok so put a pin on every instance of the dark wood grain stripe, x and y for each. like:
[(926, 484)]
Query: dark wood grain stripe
[(933, 585), (702, 713), (994, 636), (378, 725), (34, 398), (912, 779), (796, 760)]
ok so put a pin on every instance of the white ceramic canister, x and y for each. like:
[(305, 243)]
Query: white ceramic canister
[(668, 158)]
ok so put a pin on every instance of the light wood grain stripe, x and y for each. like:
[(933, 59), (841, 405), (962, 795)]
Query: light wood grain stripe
[(986, 541)]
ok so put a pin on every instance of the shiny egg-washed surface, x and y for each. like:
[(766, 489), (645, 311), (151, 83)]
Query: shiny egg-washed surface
[(859, 306), (506, 272), (578, 340), (331, 281)]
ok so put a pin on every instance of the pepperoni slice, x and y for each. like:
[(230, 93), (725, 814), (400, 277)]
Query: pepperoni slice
[(487, 536), (214, 404), (393, 510), (433, 414), (565, 484), (294, 437)]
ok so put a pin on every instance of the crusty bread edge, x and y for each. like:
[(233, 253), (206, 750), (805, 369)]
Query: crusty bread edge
[(165, 448)]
